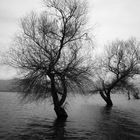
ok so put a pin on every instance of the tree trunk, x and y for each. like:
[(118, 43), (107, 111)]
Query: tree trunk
[(59, 110), (106, 98), (64, 94), (128, 95), (109, 101)]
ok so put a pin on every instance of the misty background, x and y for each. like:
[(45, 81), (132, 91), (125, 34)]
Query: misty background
[(108, 20)]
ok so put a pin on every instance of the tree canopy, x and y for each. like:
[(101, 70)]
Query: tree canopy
[(118, 68), (47, 51)]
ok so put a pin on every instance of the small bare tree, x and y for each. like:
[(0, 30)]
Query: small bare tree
[(47, 52), (117, 70)]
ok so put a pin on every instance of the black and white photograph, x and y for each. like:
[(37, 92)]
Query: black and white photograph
[(69, 69)]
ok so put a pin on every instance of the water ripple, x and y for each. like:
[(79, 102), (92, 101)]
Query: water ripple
[(85, 122)]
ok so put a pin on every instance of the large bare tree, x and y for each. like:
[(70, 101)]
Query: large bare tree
[(118, 68), (48, 52)]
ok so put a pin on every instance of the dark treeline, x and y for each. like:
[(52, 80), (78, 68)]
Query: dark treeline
[(51, 51), (8, 85)]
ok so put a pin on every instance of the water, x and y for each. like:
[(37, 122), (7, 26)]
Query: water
[(88, 119)]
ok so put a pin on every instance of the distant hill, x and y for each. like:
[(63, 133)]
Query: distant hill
[(8, 85), (11, 85)]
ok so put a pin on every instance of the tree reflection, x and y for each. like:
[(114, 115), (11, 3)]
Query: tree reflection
[(43, 129), (59, 129)]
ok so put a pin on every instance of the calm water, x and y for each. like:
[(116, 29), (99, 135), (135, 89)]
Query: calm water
[(88, 119)]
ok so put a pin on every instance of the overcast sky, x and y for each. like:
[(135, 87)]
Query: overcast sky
[(110, 19)]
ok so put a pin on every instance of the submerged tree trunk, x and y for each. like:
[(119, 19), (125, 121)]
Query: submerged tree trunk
[(59, 110), (107, 98), (128, 95), (109, 101)]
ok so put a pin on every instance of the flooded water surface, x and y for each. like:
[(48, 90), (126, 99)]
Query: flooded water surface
[(88, 119)]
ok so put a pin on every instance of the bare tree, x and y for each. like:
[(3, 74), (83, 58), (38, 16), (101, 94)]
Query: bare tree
[(118, 68), (47, 52)]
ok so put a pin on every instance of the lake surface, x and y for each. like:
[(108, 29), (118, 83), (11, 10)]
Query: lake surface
[(88, 119)]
